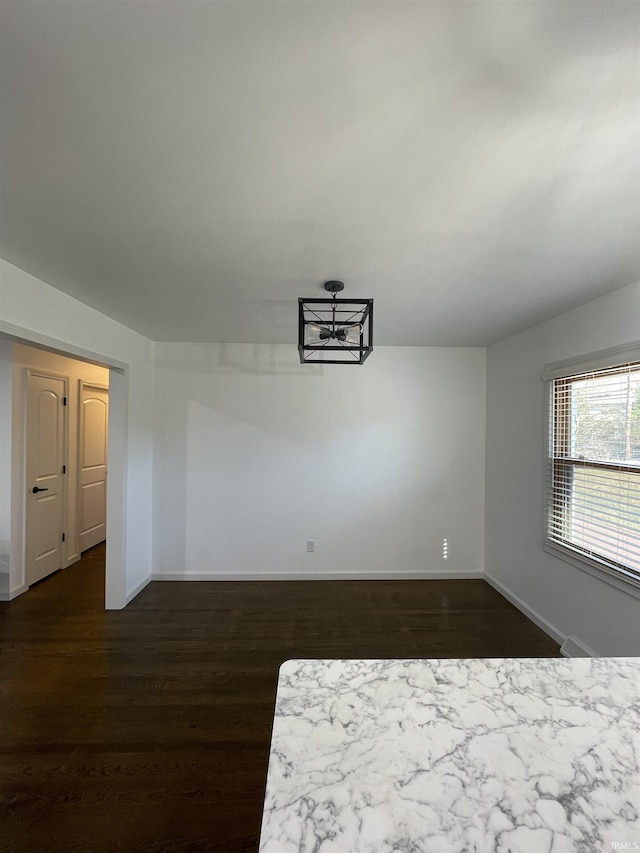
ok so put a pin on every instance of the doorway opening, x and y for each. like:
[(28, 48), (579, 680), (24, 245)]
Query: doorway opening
[(65, 422), (48, 529)]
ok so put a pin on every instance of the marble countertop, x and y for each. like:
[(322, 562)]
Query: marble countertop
[(518, 755)]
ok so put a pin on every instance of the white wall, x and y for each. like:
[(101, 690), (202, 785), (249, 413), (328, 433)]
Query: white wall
[(255, 454), (573, 602), (74, 371), (32, 311)]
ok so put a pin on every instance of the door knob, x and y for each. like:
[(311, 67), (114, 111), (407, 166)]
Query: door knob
[(35, 489)]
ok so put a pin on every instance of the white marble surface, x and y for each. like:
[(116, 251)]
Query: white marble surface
[(455, 756)]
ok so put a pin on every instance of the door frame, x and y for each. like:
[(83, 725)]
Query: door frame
[(115, 570), (27, 373)]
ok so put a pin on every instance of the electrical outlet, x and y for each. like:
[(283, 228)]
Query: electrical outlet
[(311, 545)]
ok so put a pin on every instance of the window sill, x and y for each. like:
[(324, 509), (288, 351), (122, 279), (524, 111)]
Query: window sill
[(627, 584)]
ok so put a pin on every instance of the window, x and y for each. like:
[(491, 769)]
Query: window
[(593, 484)]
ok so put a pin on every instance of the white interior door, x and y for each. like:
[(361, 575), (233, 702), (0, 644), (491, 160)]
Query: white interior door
[(94, 411), (46, 398)]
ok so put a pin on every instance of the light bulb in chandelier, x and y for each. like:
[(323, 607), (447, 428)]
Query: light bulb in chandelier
[(349, 334), (315, 334)]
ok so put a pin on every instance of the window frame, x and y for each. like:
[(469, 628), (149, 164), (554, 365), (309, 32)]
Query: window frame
[(557, 376)]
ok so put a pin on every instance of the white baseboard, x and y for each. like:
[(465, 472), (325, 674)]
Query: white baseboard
[(13, 593), (313, 576), (572, 648), (137, 590), (523, 607)]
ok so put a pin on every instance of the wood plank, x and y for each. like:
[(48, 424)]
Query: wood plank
[(148, 729)]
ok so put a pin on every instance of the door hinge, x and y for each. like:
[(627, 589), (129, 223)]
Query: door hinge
[(64, 401), (63, 536), (64, 469)]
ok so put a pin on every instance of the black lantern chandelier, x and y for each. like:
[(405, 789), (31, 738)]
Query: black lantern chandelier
[(335, 331)]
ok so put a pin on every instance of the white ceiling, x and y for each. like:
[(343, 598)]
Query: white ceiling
[(192, 168)]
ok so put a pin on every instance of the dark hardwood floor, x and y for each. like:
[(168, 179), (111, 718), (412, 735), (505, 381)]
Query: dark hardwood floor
[(148, 729)]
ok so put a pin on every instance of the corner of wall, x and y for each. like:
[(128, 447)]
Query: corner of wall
[(605, 620)]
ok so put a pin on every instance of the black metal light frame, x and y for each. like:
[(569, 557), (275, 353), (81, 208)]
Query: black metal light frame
[(330, 313)]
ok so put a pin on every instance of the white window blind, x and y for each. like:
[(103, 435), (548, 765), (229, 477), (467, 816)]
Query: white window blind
[(593, 484)]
